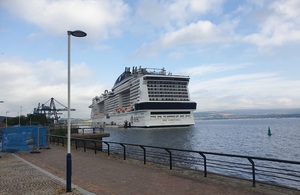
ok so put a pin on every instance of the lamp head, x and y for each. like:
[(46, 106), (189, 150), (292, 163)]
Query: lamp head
[(77, 33)]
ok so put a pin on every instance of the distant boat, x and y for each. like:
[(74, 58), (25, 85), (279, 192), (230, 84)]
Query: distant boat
[(145, 97)]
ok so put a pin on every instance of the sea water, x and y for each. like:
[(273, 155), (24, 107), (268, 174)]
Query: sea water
[(239, 136)]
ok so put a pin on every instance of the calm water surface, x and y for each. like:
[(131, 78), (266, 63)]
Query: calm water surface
[(239, 136)]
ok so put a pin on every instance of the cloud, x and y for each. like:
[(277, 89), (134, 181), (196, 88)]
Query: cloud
[(196, 34), (26, 84), (178, 23), (100, 19), (210, 69), (256, 90), (175, 13), (279, 27), (200, 32), (265, 24)]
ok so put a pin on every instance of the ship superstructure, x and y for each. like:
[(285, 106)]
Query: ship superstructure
[(144, 97)]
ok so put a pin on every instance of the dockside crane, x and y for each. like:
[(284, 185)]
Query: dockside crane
[(50, 110)]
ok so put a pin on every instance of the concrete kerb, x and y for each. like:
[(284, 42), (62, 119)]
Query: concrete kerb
[(81, 190)]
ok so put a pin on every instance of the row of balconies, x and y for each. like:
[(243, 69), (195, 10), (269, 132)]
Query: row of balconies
[(167, 92), (167, 82), (165, 89), (175, 96), (111, 104), (168, 99), (169, 86)]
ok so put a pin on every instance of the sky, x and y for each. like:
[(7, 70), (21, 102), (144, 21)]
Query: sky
[(239, 54)]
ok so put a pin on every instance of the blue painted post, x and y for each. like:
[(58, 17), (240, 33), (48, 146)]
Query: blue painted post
[(69, 172)]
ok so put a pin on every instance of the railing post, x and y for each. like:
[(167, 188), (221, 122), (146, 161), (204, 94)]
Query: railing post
[(205, 167), (144, 153), (170, 157), (63, 141), (124, 151), (84, 146), (107, 148), (95, 147), (253, 171)]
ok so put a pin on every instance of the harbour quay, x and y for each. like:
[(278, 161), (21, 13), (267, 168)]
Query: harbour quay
[(101, 174), (82, 134)]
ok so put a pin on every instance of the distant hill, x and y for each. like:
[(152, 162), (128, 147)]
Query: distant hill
[(249, 113)]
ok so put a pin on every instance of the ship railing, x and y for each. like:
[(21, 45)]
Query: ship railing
[(266, 170)]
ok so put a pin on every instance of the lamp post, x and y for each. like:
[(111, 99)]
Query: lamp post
[(19, 118), (6, 117), (76, 33)]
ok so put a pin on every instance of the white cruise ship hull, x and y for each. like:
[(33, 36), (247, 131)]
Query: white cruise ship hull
[(145, 119), (143, 98)]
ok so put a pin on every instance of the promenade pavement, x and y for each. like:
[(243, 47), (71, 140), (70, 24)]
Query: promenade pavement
[(100, 174)]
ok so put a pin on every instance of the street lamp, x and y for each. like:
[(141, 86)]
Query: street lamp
[(76, 33), (6, 117)]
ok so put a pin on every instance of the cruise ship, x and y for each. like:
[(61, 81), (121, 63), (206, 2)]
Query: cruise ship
[(145, 97)]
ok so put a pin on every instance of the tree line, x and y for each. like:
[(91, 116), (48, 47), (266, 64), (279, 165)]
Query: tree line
[(30, 119)]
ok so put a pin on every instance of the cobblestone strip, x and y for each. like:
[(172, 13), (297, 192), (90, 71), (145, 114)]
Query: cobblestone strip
[(62, 181), (19, 177)]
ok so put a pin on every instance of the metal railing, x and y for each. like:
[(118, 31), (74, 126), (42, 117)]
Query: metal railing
[(268, 170)]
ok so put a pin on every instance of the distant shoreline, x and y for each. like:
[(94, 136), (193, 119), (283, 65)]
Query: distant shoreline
[(227, 115)]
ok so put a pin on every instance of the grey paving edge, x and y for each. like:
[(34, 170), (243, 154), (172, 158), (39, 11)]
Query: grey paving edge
[(81, 190)]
